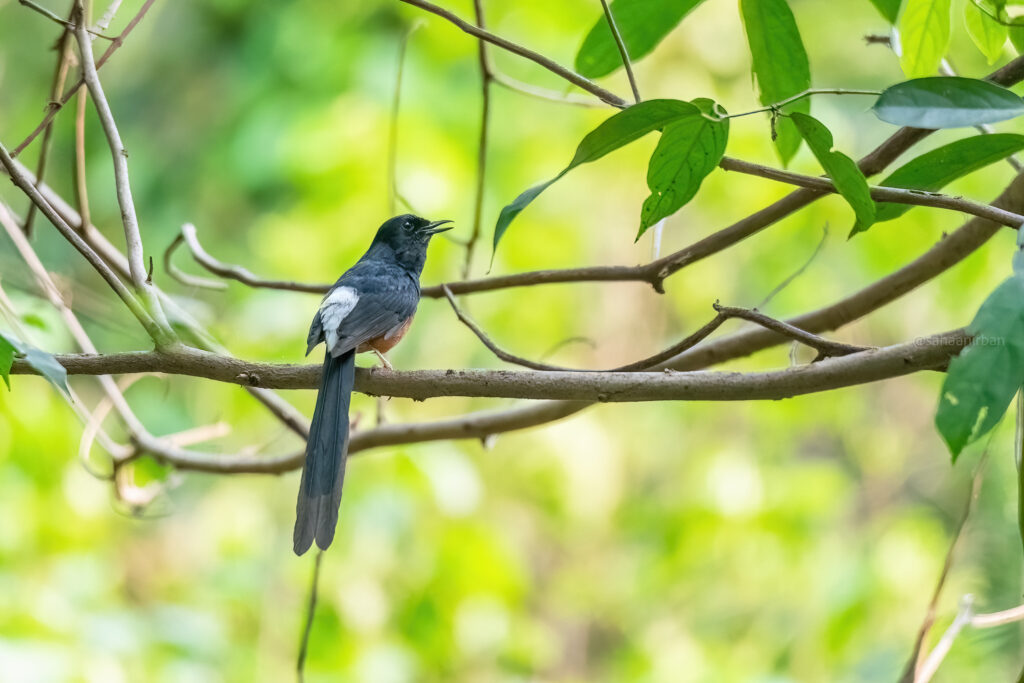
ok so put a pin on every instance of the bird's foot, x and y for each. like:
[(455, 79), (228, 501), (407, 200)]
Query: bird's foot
[(384, 361)]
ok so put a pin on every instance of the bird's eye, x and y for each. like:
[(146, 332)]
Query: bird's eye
[(408, 226)]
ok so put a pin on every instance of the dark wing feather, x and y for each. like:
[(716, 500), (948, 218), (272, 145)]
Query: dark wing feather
[(386, 300)]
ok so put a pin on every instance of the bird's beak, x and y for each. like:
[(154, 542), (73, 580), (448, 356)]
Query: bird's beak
[(433, 229)]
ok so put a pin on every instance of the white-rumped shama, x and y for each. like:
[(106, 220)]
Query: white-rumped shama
[(369, 308)]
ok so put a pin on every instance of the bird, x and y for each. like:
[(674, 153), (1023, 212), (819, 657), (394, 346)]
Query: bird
[(369, 308)]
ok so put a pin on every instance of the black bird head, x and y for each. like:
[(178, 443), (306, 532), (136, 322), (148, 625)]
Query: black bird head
[(407, 236)]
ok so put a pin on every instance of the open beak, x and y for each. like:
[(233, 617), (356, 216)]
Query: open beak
[(433, 229)]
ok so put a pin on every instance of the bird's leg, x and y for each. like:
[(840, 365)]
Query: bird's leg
[(384, 361)]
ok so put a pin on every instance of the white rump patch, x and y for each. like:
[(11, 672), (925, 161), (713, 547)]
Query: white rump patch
[(336, 306)]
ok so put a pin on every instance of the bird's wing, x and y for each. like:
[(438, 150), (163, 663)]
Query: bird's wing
[(369, 301)]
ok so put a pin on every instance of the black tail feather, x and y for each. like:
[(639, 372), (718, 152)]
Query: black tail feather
[(316, 512)]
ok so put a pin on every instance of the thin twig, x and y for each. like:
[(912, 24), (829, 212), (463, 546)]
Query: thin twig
[(962, 619), (509, 83), (94, 259), (55, 107), (59, 77), (798, 272), (825, 347), (916, 659), (50, 290), (395, 195), (552, 66), (300, 664), (776, 106), (481, 152), (183, 277), (881, 194), (68, 25), (81, 182), (621, 44), (243, 275)]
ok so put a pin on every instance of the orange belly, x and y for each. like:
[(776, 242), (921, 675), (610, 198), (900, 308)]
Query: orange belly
[(383, 344)]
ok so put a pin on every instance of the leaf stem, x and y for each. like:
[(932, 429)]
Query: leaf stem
[(801, 95), (622, 49)]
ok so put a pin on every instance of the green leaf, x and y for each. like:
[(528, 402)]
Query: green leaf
[(40, 361), (6, 360), (947, 102), (983, 379), (620, 129), (47, 366), (924, 36), (933, 170), (1016, 34), (642, 24), (687, 152), (987, 33), (843, 171), (779, 63), (890, 9)]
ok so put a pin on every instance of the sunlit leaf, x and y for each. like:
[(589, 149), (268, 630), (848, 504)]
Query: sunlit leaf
[(924, 36), (687, 152), (947, 102), (620, 129), (6, 360), (890, 9), (779, 62), (642, 24), (987, 33), (843, 171), (40, 361), (983, 379), (935, 169)]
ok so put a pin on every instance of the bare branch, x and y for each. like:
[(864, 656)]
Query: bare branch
[(539, 93), (300, 664), (481, 153), (55, 107), (129, 299), (962, 619), (68, 25), (916, 659), (552, 66), (857, 368), (243, 275), (881, 194), (183, 277), (396, 99), (949, 251), (64, 56), (132, 235), (825, 348)]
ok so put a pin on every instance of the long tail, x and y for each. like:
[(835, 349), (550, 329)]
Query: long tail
[(316, 512)]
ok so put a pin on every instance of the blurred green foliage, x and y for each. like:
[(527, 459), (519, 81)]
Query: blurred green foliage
[(784, 541)]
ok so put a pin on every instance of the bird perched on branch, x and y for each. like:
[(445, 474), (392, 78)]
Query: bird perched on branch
[(369, 308)]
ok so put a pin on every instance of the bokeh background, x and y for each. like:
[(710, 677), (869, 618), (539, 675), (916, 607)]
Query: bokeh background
[(782, 541)]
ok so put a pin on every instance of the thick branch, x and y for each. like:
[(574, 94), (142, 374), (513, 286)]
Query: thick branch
[(857, 368)]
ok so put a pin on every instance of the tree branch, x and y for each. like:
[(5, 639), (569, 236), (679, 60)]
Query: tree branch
[(132, 235), (129, 299), (880, 194), (55, 107), (552, 66), (856, 368)]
